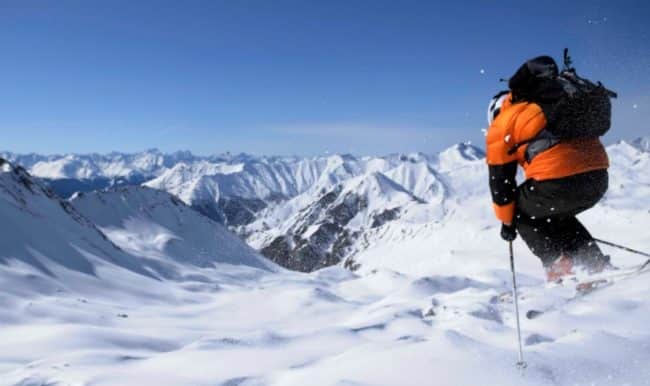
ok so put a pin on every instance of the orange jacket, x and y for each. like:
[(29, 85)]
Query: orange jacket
[(517, 123)]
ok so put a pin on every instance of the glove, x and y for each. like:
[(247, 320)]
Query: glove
[(508, 232)]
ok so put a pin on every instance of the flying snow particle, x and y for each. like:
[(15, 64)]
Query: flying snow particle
[(482, 71), (634, 106)]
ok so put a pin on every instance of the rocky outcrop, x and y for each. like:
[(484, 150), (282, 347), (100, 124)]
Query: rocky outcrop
[(320, 237)]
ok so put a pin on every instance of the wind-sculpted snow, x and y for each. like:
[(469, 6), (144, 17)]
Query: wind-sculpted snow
[(328, 328)]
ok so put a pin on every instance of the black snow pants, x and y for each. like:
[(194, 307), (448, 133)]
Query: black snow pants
[(546, 216)]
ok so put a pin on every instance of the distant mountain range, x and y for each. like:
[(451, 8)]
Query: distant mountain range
[(301, 212)]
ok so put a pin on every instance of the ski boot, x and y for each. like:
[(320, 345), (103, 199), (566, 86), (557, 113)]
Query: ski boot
[(559, 269)]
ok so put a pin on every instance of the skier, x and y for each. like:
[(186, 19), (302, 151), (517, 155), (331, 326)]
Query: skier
[(564, 176)]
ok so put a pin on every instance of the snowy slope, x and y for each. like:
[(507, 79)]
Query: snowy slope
[(629, 178), (332, 328), (51, 244), (43, 232), (428, 304), (157, 225)]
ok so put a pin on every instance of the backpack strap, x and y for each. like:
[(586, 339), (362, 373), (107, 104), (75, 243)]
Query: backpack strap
[(516, 146), (541, 142)]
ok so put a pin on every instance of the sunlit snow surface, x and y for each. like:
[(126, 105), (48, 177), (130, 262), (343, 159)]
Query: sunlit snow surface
[(327, 328), (429, 306)]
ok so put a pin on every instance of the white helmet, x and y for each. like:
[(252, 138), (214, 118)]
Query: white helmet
[(495, 105)]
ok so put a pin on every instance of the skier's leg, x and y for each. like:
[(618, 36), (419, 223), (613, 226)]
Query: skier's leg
[(580, 245), (546, 217), (573, 195), (563, 197), (539, 237), (534, 206)]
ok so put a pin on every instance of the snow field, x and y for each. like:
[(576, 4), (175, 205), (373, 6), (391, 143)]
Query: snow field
[(330, 327), (429, 305)]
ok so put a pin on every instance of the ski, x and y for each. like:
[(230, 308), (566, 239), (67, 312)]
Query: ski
[(594, 284)]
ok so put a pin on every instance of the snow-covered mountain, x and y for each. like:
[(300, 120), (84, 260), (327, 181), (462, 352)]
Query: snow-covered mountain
[(311, 212), (44, 232), (136, 231), (642, 143), (316, 207), (89, 166), (322, 227), (70, 173), (155, 225), (339, 218), (233, 192), (629, 179)]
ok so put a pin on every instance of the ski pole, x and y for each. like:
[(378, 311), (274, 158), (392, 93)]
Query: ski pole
[(520, 364), (622, 247)]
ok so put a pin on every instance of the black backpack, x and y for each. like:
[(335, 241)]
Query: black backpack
[(574, 107)]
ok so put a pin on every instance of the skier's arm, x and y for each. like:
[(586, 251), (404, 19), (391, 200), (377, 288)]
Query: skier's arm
[(502, 173), (503, 188)]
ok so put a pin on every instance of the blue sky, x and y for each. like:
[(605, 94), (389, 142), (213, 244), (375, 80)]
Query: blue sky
[(294, 77)]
